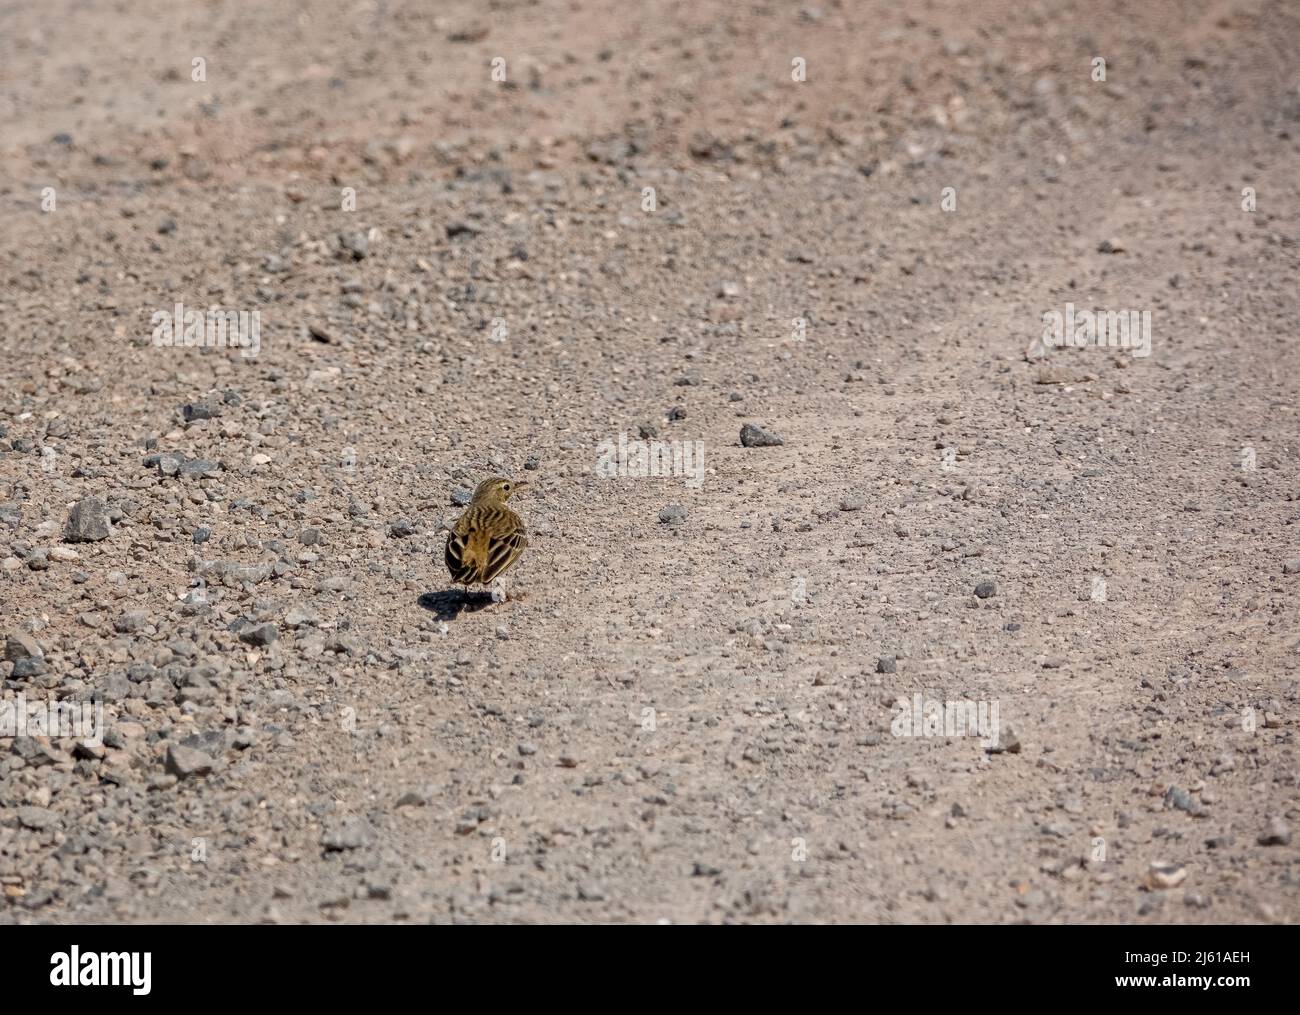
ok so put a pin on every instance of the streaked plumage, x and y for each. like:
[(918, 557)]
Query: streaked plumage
[(488, 538)]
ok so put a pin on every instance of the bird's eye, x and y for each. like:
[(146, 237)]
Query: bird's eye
[(505, 486)]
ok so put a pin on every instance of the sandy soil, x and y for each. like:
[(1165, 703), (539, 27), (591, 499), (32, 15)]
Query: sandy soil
[(686, 710)]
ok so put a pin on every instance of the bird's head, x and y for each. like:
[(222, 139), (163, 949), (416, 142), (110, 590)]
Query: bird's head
[(497, 489)]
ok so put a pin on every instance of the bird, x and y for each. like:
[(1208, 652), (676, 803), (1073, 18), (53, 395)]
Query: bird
[(488, 538)]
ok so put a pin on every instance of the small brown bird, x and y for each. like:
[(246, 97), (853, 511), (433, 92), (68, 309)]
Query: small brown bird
[(488, 537)]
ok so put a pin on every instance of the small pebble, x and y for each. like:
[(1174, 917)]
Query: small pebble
[(754, 436)]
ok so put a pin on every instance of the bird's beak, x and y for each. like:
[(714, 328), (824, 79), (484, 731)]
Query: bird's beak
[(521, 484)]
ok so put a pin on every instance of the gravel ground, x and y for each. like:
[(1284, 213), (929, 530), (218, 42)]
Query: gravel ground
[(887, 488)]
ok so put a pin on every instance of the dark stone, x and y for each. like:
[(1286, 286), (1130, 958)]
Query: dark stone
[(754, 436), (87, 522)]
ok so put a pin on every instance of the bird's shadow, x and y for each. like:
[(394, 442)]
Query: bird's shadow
[(451, 603)]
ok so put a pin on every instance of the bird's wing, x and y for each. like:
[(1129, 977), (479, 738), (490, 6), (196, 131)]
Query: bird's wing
[(502, 551), (464, 554), (455, 558)]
